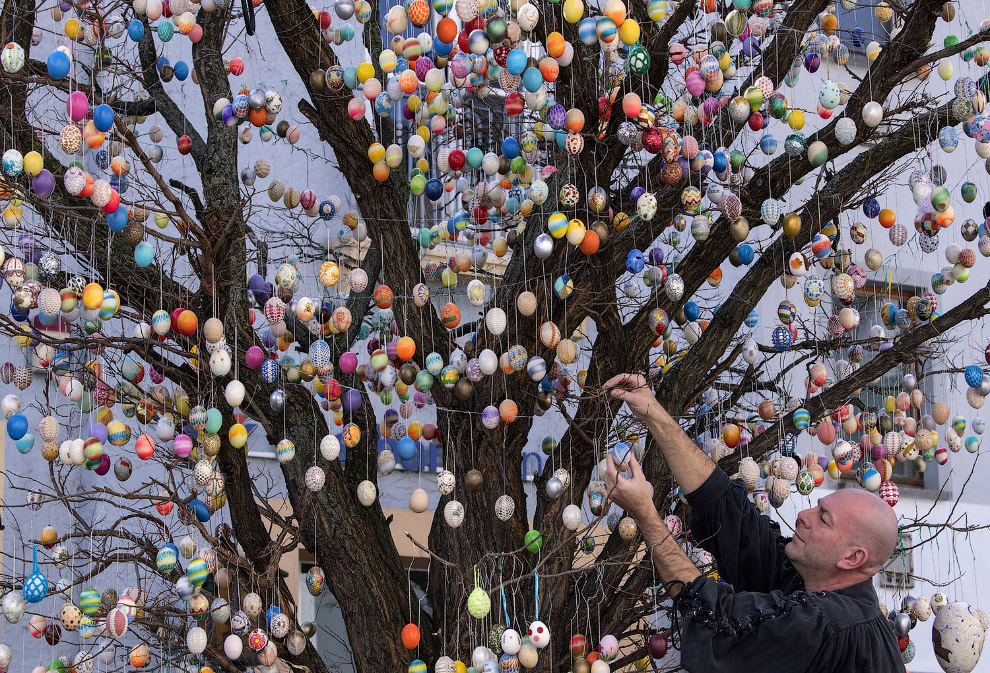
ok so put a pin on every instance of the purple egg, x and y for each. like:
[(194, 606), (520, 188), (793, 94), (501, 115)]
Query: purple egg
[(104, 465), (636, 192), (391, 416), (228, 115), (424, 64), (351, 400), (268, 340), (391, 350), (348, 363), (823, 462), (710, 106), (254, 357), (261, 290), (489, 415), (26, 242), (656, 256), (556, 116), (751, 46), (685, 164), (43, 183), (879, 452), (419, 399), (99, 431)]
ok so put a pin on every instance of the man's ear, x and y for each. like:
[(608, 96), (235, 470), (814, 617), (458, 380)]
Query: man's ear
[(853, 559)]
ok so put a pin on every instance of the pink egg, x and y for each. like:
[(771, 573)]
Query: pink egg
[(77, 106), (254, 357), (348, 363), (182, 446)]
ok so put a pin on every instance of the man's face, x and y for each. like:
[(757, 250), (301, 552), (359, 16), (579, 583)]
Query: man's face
[(819, 538)]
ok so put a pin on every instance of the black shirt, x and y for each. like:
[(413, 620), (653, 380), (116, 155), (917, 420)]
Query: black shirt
[(769, 622)]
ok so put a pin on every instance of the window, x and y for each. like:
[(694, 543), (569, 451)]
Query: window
[(898, 573)]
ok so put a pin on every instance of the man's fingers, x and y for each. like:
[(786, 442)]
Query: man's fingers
[(637, 471)]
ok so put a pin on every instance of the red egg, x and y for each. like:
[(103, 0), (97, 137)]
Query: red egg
[(236, 66), (657, 645), (184, 144)]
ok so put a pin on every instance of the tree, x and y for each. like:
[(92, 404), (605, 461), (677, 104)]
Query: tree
[(219, 234)]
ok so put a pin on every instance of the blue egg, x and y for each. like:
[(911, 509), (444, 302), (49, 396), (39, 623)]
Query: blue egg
[(768, 144), (350, 77), (434, 189), (103, 117), (510, 148), (753, 319), (200, 509), (515, 62), (135, 30), (181, 70), (442, 49), (407, 448), (162, 62), (746, 253), (25, 443), (58, 64), (532, 79), (720, 162), (117, 220), (635, 261), (974, 376), (144, 254), (588, 31), (691, 311), (17, 426)]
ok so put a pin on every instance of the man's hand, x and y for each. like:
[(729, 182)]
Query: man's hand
[(635, 392), (633, 495)]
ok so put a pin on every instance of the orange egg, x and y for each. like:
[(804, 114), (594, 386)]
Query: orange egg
[(93, 136), (187, 322), (730, 435), (93, 296), (508, 411), (574, 120), (405, 348), (258, 117), (450, 315), (829, 23), (555, 44), (408, 81), (447, 30), (715, 278), (380, 171), (550, 69), (118, 165), (887, 218), (589, 245), (410, 636), (415, 431)]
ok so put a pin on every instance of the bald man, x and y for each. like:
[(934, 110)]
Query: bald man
[(787, 605)]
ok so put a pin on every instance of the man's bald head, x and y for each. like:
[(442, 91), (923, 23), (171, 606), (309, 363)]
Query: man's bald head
[(872, 523), (844, 540)]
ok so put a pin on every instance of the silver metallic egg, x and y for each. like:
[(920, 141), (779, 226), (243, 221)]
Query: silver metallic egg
[(554, 488), (277, 400), (543, 246)]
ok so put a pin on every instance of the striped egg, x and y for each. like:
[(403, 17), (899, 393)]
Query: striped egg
[(557, 224), (285, 450), (89, 601), (801, 418), (198, 571)]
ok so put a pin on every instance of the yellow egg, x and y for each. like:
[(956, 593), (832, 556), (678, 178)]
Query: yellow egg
[(796, 120), (161, 220), (945, 70), (629, 33), (393, 156), (376, 152), (573, 10), (93, 296), (73, 29), (365, 71), (423, 165), (423, 133), (414, 103), (25, 339), (33, 163), (12, 216)]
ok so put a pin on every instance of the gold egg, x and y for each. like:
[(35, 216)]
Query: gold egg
[(308, 370), (581, 666), (792, 225), (473, 480), (739, 229), (211, 443)]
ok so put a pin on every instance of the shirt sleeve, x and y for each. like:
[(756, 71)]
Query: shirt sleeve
[(753, 632), (747, 545)]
